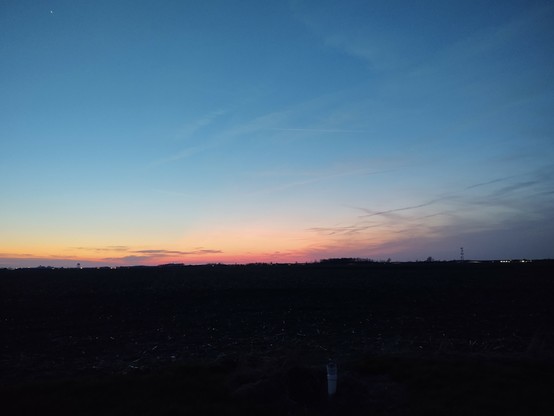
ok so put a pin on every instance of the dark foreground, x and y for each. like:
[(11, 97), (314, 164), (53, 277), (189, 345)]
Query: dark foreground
[(425, 338)]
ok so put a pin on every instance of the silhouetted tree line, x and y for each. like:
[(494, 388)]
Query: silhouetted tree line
[(341, 261)]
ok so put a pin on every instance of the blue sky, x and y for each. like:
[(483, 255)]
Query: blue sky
[(145, 132)]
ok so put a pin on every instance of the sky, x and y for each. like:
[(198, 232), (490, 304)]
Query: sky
[(154, 132)]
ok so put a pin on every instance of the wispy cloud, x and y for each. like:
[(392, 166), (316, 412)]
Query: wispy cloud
[(493, 181), (381, 46), (312, 130), (316, 177), (348, 229), (18, 255), (188, 132), (158, 255), (191, 128), (372, 213), (524, 202), (126, 259), (322, 114), (183, 154), (147, 253), (482, 42), (106, 248), (369, 42), (173, 252), (175, 193)]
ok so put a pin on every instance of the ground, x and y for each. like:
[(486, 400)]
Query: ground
[(412, 338)]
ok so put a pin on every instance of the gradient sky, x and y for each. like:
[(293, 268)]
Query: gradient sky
[(149, 132)]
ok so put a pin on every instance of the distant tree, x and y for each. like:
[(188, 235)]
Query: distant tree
[(430, 259)]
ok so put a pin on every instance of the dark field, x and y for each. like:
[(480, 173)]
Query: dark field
[(420, 338)]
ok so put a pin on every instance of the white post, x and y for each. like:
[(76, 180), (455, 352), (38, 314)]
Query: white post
[(331, 378)]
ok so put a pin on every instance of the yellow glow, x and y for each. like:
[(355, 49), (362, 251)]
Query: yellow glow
[(240, 243)]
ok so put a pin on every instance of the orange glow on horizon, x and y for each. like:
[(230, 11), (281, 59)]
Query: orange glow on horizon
[(231, 245)]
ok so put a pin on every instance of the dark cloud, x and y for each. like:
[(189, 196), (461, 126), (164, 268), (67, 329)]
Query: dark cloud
[(58, 261), (128, 259), (149, 255)]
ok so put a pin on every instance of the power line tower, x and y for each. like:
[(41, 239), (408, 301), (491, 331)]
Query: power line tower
[(461, 254)]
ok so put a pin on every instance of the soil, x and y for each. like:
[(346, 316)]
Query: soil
[(251, 321)]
